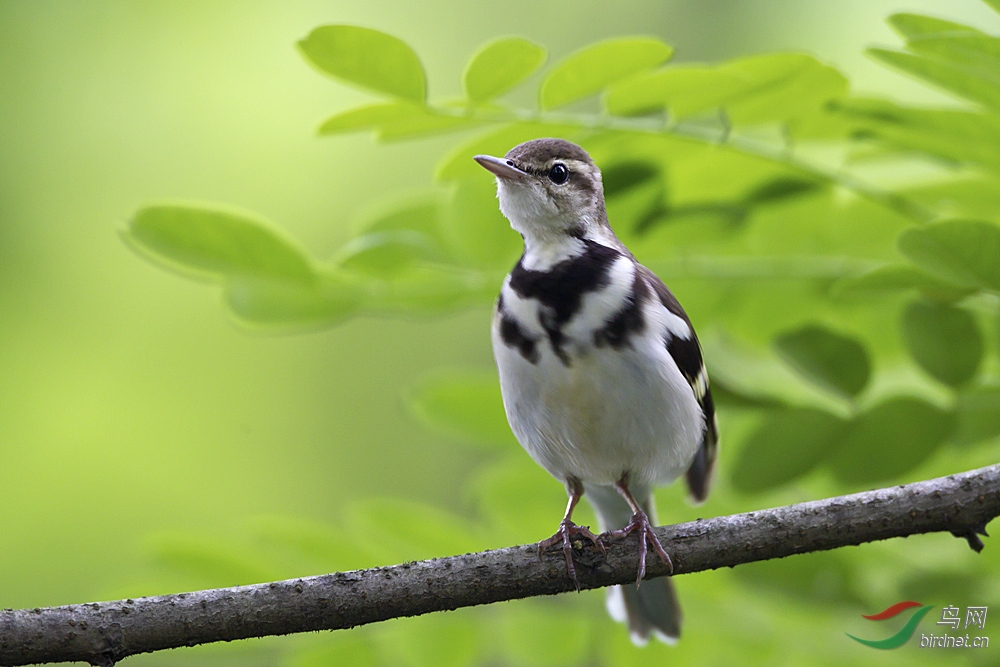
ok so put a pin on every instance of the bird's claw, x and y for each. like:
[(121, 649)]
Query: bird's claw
[(564, 536), (640, 523)]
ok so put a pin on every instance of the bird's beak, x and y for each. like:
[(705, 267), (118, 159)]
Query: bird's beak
[(501, 167)]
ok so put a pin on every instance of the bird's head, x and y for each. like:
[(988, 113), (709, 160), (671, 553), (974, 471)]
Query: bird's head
[(548, 188)]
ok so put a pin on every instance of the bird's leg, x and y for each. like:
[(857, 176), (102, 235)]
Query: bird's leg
[(640, 523), (567, 529)]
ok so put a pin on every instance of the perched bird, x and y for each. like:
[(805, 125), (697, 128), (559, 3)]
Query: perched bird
[(601, 373)]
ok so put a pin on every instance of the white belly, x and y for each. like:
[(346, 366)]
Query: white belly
[(607, 413)]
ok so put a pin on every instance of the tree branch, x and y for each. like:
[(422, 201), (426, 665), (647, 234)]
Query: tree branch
[(104, 633)]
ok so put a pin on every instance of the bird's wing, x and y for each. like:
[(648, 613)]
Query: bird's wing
[(686, 352)]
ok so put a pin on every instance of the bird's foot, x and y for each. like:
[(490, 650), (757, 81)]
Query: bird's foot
[(564, 536), (640, 523)]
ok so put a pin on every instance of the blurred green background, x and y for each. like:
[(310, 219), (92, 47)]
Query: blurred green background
[(148, 445)]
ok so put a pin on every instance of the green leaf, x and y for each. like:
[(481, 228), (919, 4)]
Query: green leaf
[(891, 439), (397, 237), (971, 50), (832, 361), (638, 208), (418, 214), (780, 86), (686, 90), (755, 375), (728, 397), (781, 188), (955, 79), (620, 177), (913, 26), (430, 289), (594, 67), (978, 415), (756, 89), (367, 58), (426, 124), (388, 253), (499, 66), (466, 406), (959, 251), (215, 244), (994, 4), (899, 277), (957, 136), (635, 193), (972, 197), (787, 445), (280, 305), (396, 120), (978, 55), (944, 340), (371, 117)]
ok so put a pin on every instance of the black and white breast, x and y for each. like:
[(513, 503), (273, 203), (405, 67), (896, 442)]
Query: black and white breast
[(600, 368)]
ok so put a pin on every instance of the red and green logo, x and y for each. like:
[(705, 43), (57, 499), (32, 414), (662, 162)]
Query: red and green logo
[(904, 634)]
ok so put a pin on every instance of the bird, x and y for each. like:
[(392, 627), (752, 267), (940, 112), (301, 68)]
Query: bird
[(601, 372)]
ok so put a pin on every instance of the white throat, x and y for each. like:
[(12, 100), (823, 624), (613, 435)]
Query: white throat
[(542, 256), (545, 229)]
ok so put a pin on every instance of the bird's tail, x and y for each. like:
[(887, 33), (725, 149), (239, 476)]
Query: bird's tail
[(651, 609)]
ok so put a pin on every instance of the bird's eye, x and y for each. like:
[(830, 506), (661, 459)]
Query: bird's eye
[(558, 174)]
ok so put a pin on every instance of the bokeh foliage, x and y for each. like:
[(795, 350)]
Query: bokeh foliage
[(849, 315), (850, 322)]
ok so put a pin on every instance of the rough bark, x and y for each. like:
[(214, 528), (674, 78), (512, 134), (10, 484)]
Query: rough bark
[(104, 633)]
